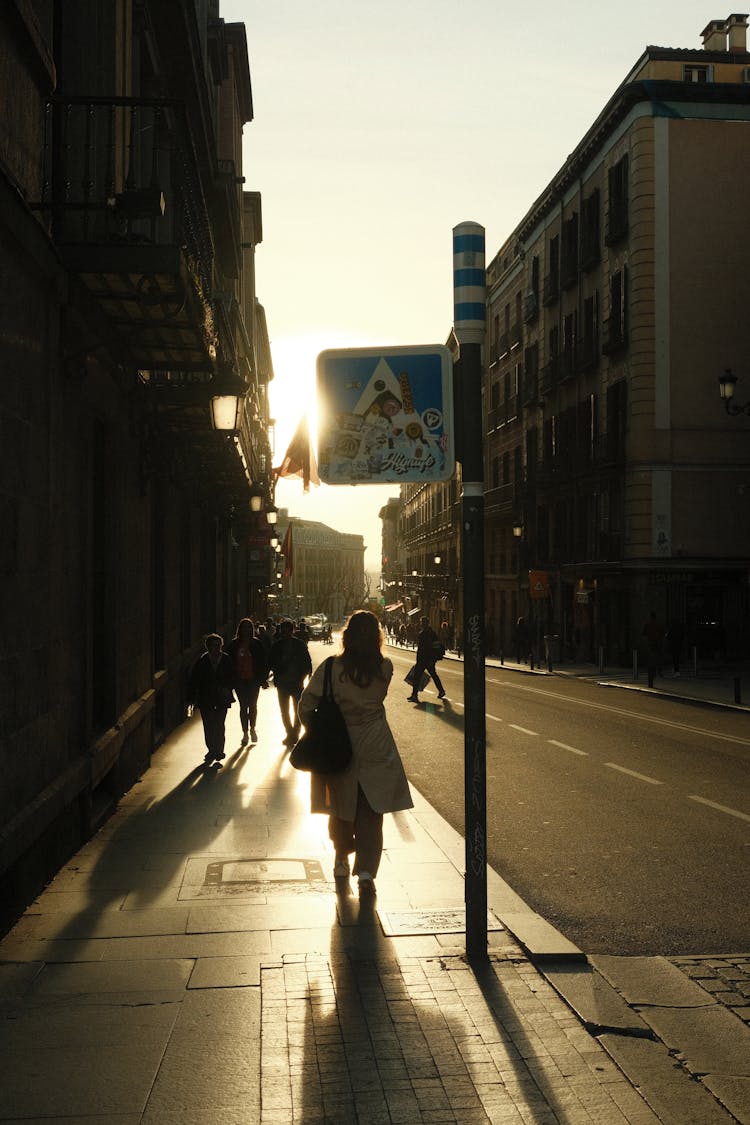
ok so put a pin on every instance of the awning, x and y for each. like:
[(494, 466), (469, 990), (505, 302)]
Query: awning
[(411, 612), (396, 605)]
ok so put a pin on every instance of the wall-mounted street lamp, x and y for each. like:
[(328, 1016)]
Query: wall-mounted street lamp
[(437, 560), (727, 384), (517, 529), (256, 498), (227, 397), (272, 515)]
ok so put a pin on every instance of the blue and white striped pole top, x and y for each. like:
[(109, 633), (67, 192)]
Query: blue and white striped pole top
[(469, 283)]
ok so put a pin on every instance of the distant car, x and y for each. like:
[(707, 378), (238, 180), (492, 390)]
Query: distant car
[(316, 627)]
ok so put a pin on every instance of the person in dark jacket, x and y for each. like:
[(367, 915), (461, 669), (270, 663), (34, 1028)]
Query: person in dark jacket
[(210, 688), (250, 674), (429, 649), (291, 665)]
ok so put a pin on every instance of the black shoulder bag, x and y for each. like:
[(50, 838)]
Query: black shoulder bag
[(325, 747)]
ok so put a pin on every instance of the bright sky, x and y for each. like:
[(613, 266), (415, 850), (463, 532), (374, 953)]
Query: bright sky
[(379, 126)]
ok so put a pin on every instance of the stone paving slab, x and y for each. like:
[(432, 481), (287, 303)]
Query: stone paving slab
[(652, 981), (674, 1100), (61, 1081)]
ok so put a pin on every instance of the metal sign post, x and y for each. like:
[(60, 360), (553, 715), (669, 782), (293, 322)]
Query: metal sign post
[(469, 316)]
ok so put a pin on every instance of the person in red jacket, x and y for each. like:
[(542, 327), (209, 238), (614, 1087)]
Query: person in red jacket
[(250, 674)]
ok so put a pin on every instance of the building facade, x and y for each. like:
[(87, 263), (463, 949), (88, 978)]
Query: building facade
[(614, 480), (129, 304), (323, 571)]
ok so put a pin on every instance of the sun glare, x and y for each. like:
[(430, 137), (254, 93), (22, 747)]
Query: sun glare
[(293, 390)]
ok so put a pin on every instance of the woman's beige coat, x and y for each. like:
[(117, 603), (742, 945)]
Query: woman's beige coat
[(376, 764)]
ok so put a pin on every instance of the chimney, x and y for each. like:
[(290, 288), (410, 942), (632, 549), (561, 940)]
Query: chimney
[(737, 31), (715, 36)]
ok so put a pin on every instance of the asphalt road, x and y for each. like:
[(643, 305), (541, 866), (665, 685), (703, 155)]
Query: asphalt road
[(622, 818)]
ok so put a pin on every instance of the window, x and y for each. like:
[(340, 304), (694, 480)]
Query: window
[(616, 420), (530, 392), (617, 212), (569, 255), (590, 246), (568, 353), (588, 345), (552, 278), (531, 300), (700, 73), (616, 326), (495, 472)]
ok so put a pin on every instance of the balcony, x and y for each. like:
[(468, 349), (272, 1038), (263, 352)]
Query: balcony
[(125, 205), (516, 335), (548, 377), (530, 307)]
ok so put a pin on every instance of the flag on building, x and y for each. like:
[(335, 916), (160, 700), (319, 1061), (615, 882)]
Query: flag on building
[(299, 460), (287, 550)]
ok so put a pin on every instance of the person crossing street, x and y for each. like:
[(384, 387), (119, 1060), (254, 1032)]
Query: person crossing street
[(429, 649)]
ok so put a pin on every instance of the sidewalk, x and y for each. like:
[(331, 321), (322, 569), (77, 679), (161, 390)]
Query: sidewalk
[(196, 963)]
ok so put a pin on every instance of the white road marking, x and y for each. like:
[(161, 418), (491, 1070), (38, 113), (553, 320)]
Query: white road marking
[(564, 746), (494, 718), (632, 773), (574, 700), (720, 808), (524, 730)]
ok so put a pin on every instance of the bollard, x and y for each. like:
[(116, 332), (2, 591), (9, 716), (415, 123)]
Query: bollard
[(502, 658), (601, 659), (650, 677), (737, 690), (694, 654), (635, 663)]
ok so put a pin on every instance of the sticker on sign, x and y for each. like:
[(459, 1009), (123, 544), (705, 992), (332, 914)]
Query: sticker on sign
[(385, 415)]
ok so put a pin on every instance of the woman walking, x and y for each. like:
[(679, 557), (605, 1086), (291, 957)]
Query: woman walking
[(375, 782), (250, 674)]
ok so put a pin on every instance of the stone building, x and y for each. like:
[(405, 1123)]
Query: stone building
[(323, 570), (128, 307)]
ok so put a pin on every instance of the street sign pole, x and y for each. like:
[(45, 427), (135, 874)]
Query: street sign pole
[(469, 317)]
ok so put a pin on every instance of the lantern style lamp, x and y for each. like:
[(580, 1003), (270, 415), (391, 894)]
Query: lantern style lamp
[(727, 385), (227, 391)]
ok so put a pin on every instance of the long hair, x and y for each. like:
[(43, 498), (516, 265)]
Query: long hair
[(245, 624), (362, 642)]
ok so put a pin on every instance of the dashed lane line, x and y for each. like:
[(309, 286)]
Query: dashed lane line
[(719, 808), (524, 730), (633, 773), (564, 746)]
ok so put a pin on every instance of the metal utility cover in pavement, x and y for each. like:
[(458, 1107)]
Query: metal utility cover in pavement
[(405, 922), (234, 877)]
